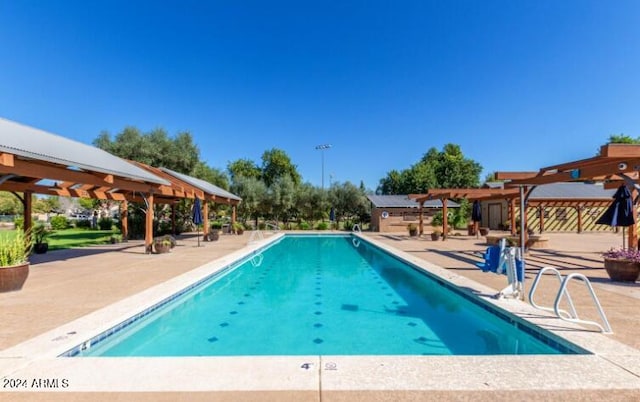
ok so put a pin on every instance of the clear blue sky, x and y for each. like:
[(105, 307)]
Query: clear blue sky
[(519, 85)]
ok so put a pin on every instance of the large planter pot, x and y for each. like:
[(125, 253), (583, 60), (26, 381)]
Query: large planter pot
[(622, 270), (12, 278), (162, 248), (435, 236), (40, 248)]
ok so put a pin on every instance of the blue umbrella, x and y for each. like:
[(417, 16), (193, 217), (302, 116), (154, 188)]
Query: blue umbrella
[(476, 215), (476, 212), (332, 214), (620, 212), (196, 216)]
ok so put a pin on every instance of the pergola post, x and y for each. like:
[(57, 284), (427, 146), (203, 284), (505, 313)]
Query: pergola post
[(633, 229), (445, 224), (233, 214), (27, 203), (579, 211), (512, 215), (124, 217), (541, 210), (148, 226), (420, 220), (205, 219)]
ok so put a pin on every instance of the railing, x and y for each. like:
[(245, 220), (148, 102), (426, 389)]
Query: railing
[(256, 235), (272, 226), (571, 315)]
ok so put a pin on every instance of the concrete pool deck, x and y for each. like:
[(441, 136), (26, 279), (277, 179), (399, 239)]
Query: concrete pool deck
[(68, 285)]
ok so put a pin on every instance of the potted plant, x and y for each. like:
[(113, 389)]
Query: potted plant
[(164, 244), (238, 228), (14, 261), (40, 233), (622, 265), (216, 230), (413, 229), (435, 235)]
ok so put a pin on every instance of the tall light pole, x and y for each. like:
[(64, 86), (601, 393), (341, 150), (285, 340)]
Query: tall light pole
[(322, 148)]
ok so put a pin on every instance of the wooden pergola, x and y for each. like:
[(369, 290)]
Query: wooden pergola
[(617, 164), (469, 193), (36, 162)]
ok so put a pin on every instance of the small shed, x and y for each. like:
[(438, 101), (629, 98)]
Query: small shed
[(393, 213)]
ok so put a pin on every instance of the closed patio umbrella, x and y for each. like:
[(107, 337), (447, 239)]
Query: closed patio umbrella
[(620, 212), (196, 216), (476, 216)]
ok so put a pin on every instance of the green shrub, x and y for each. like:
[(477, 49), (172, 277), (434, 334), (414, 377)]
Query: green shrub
[(322, 226), (262, 226), (83, 224), (18, 222), (59, 222), (14, 250), (304, 226), (216, 225), (105, 223)]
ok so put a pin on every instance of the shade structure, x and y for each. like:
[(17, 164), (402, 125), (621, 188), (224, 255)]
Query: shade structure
[(476, 212), (620, 212), (196, 216)]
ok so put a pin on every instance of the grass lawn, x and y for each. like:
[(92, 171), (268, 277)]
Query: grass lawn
[(68, 238)]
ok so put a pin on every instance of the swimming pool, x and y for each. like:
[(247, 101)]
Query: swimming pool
[(322, 295)]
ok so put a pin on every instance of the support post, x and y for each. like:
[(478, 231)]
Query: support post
[(541, 210), (173, 219), (420, 220), (633, 229), (148, 226), (27, 204), (124, 217), (205, 219), (512, 216), (445, 224), (233, 214), (579, 209)]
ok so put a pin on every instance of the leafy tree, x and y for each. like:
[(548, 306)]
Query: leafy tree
[(155, 148), (436, 169), (9, 204), (46, 204), (88, 203), (211, 175), (347, 200), (276, 164), (310, 203), (280, 199), (253, 193), (243, 168)]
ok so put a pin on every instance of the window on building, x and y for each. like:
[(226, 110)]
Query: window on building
[(561, 214)]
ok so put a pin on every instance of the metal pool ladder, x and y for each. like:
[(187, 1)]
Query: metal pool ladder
[(255, 236), (571, 315)]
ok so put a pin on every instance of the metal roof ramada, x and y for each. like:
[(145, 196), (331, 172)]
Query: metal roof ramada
[(571, 190), (402, 201), (33, 143), (202, 185)]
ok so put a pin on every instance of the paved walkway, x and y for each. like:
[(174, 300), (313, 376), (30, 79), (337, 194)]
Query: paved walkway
[(65, 285)]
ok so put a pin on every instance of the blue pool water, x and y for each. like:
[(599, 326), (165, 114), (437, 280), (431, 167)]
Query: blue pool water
[(322, 295)]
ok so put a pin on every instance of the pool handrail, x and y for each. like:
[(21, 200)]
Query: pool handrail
[(572, 315)]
